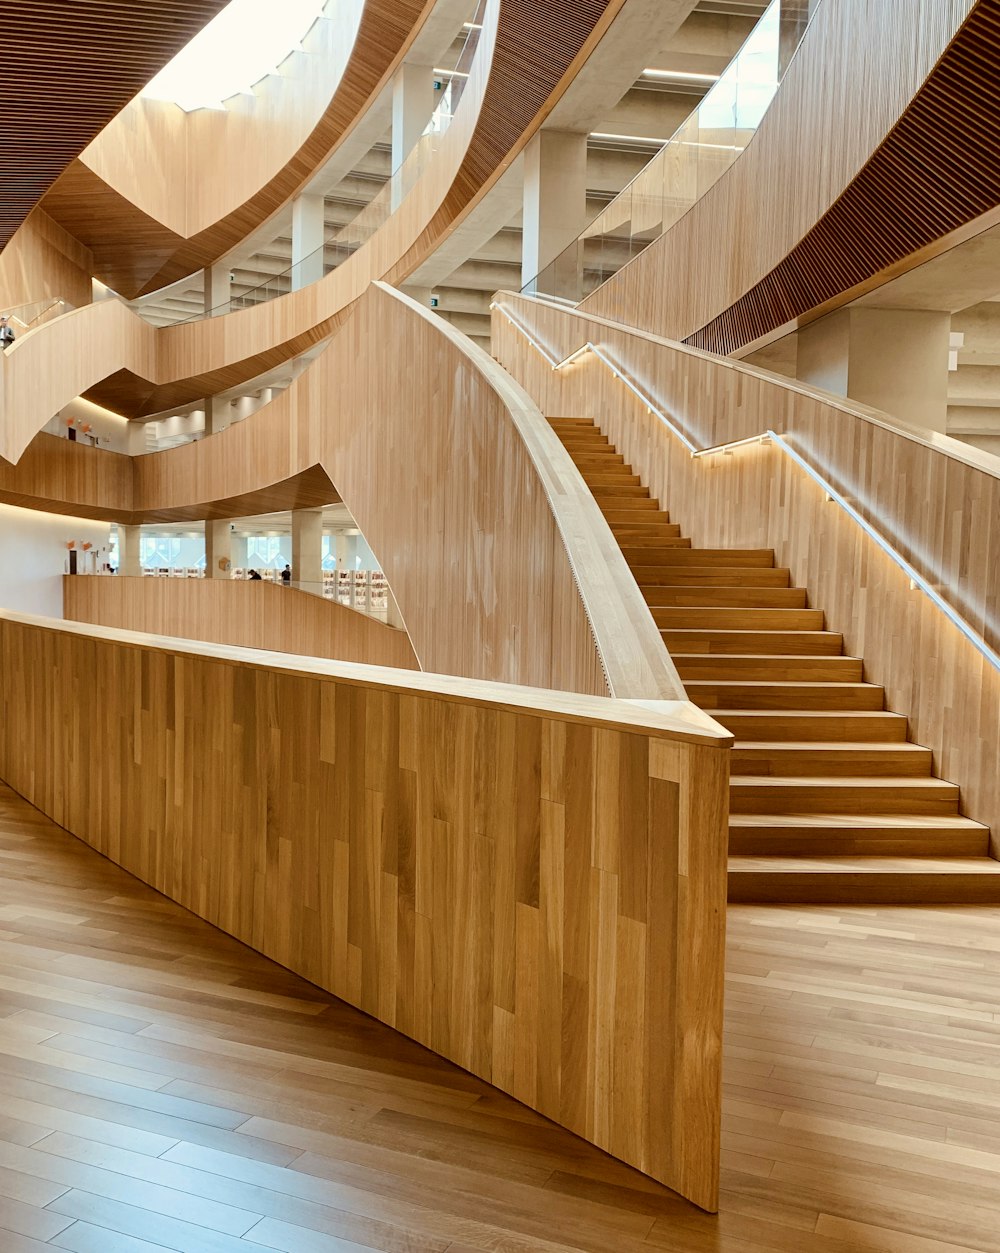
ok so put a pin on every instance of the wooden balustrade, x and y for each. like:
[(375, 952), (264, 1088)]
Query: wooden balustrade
[(237, 612), (936, 500), (531, 884)]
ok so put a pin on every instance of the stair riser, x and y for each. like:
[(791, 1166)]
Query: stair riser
[(808, 798), (863, 889), (627, 517), (833, 842), (672, 595), (840, 696), (635, 504), (770, 669), (638, 536), (779, 643), (735, 619), (713, 577), (875, 728), (823, 760), (707, 558)]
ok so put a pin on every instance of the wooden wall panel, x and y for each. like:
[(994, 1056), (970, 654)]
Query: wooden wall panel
[(937, 501), (828, 193), (458, 860), (238, 612), (43, 260)]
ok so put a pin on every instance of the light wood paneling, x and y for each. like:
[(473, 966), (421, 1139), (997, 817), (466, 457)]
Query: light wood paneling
[(534, 890), (157, 195), (857, 1107), (238, 612), (142, 371), (934, 499), (512, 574), (860, 162), (51, 117), (43, 260)]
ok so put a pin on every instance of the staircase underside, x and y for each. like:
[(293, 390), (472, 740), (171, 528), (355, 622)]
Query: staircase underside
[(829, 799)]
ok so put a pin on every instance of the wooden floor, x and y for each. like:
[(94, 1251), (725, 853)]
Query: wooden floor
[(163, 1087)]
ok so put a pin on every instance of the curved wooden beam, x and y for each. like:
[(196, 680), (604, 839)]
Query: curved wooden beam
[(153, 200), (148, 370), (913, 158)]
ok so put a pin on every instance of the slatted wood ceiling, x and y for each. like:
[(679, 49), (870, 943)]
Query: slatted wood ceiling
[(936, 171), (63, 80)]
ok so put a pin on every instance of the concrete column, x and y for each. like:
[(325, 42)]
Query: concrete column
[(422, 295), (218, 547), (555, 206), (307, 545), (128, 551), (308, 237), (413, 102), (892, 359), (218, 288), (136, 436), (218, 415)]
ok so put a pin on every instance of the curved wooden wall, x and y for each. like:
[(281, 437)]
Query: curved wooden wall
[(510, 574), (936, 500), (860, 162), (531, 885), (158, 194), (42, 260), (237, 612), (142, 370)]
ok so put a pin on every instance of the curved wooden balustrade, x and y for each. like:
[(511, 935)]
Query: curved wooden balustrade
[(156, 195), (239, 612), (891, 151), (142, 370), (936, 500), (530, 883), (510, 574)]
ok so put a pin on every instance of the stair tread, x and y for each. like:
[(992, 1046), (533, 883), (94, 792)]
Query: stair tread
[(861, 864), (849, 822), (856, 782), (832, 746)]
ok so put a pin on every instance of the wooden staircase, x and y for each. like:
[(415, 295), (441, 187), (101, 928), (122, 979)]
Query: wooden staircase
[(830, 801)]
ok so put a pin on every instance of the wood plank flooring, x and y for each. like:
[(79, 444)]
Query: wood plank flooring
[(162, 1087), (829, 800)]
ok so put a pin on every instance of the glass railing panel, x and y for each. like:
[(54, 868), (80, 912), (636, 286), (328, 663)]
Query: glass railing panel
[(692, 161)]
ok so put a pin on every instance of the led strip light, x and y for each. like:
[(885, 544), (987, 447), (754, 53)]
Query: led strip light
[(917, 580)]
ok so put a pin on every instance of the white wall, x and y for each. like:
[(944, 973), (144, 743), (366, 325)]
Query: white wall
[(33, 557)]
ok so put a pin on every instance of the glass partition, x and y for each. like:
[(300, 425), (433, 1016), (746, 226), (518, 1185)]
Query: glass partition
[(688, 164)]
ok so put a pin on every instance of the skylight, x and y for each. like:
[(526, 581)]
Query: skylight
[(247, 40)]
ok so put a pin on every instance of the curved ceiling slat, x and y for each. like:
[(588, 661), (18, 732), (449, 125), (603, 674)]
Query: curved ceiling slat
[(113, 49)]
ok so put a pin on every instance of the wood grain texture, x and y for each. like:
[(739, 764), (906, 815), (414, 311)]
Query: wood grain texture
[(114, 53), (120, 361), (156, 196), (227, 611), (857, 1102), (859, 163), (934, 499), (40, 260), (471, 872)]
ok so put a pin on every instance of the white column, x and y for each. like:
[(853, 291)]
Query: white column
[(136, 439), (308, 237), (218, 547), (218, 289), (307, 546), (892, 359), (218, 415), (555, 202), (413, 102), (128, 551)]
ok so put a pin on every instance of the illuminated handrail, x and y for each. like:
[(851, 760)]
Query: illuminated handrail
[(768, 437)]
